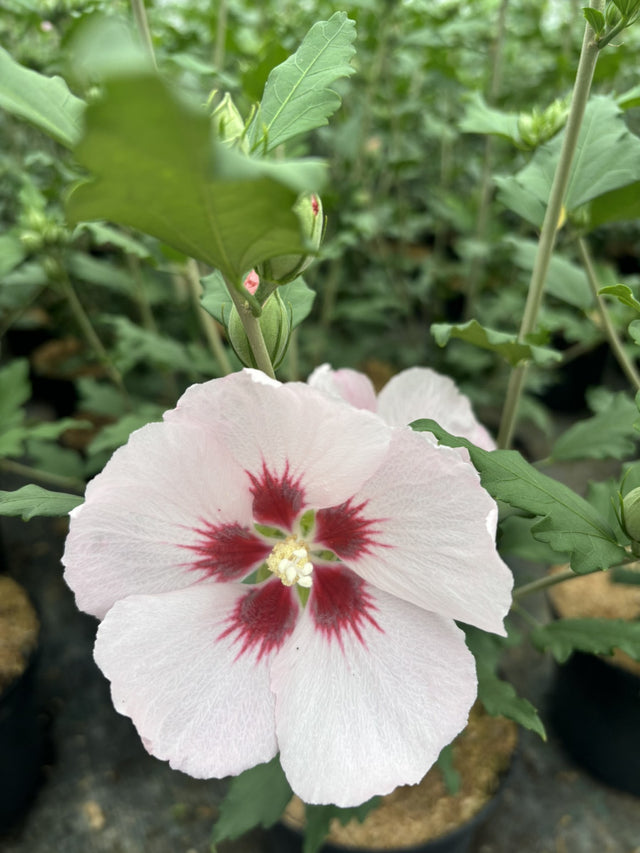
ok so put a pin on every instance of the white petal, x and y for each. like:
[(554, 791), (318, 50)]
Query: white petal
[(140, 514), (355, 719), (436, 543), (194, 702), (326, 445), (354, 387), (422, 393)]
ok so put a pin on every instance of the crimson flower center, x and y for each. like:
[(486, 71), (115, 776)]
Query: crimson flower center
[(289, 560)]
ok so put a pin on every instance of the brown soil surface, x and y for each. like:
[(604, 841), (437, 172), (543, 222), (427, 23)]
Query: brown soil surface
[(18, 631), (413, 814), (596, 596)]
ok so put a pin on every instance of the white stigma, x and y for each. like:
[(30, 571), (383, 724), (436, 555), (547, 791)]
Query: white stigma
[(289, 561)]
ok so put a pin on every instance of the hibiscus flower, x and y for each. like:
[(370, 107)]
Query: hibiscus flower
[(277, 570), (418, 392)]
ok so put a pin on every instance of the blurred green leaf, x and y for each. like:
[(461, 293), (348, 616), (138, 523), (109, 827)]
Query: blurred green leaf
[(565, 280), (610, 434), (11, 253), (597, 636), (30, 501), (624, 295), (158, 168), (481, 118), (566, 521), (507, 346), (615, 206), (256, 797), (15, 390), (43, 101), (115, 435), (297, 97), (607, 158)]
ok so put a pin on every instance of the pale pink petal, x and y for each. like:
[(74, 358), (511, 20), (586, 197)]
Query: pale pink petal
[(354, 387), (362, 712), (423, 528), (197, 691), (289, 438), (169, 508), (422, 393)]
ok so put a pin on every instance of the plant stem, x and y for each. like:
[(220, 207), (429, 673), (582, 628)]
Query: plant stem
[(209, 325), (90, 334), (580, 96), (142, 25), (544, 583), (253, 331), (612, 336), (61, 480), (221, 34)]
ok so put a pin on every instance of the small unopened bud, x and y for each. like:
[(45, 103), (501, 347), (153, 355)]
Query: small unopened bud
[(229, 124), (631, 516), (538, 126), (284, 268), (276, 330)]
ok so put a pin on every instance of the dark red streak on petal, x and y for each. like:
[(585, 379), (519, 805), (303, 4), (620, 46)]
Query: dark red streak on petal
[(277, 500), (339, 603), (263, 618), (346, 531), (228, 552)]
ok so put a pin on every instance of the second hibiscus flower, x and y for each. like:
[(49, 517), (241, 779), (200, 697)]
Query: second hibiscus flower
[(278, 570)]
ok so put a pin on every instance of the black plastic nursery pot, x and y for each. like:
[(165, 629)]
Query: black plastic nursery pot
[(594, 707), (21, 735), (409, 820)]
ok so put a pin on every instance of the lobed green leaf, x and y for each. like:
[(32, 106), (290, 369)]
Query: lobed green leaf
[(256, 797), (508, 346), (566, 521), (157, 167), (609, 434), (297, 97), (597, 636), (30, 501)]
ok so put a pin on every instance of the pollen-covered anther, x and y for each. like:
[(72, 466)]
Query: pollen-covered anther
[(289, 560)]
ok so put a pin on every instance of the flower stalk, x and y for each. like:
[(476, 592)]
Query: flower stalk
[(553, 216), (252, 330)]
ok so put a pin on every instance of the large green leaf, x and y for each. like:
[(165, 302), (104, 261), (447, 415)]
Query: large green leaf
[(43, 101), (297, 97), (609, 434), (566, 521), (505, 345), (31, 500), (615, 206), (256, 797), (598, 636), (607, 158), (158, 168)]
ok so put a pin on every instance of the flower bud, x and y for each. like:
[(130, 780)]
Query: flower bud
[(229, 124), (538, 126), (631, 514), (276, 329), (284, 268)]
